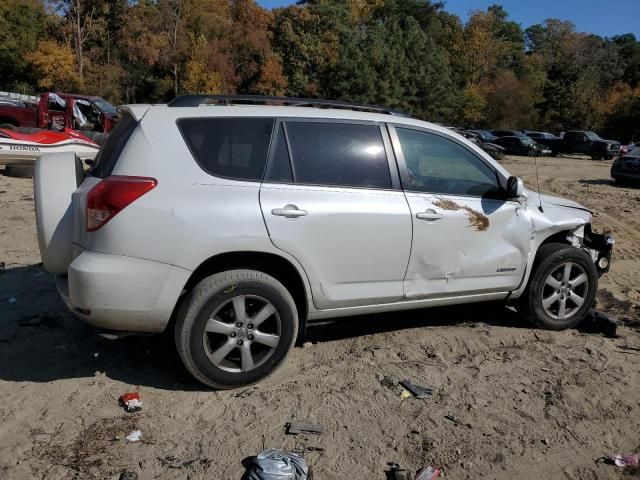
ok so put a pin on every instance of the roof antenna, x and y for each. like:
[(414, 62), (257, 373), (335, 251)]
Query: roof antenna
[(535, 159)]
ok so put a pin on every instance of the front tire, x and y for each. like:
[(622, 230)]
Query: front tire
[(235, 328), (562, 287)]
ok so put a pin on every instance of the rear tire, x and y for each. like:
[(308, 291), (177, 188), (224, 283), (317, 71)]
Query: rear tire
[(19, 171), (221, 335), (555, 299)]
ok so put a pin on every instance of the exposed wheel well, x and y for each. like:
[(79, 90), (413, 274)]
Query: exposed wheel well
[(560, 237), (278, 267)]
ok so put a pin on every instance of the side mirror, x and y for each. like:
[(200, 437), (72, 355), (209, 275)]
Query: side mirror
[(515, 187)]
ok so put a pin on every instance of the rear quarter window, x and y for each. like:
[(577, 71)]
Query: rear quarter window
[(233, 148), (108, 155)]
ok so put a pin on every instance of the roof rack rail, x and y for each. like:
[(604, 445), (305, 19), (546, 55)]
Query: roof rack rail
[(197, 100)]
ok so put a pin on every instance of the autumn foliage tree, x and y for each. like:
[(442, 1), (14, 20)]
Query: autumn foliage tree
[(55, 65), (22, 23), (409, 54)]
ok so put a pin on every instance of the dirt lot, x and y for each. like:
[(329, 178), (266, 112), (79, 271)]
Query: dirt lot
[(528, 404)]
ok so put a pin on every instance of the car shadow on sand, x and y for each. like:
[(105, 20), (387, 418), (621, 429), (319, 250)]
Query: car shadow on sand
[(606, 181), (40, 341), (488, 313)]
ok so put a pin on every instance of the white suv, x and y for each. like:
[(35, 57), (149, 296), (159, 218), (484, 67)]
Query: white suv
[(235, 221)]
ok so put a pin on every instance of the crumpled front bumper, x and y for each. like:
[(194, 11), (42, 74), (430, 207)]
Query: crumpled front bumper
[(601, 247)]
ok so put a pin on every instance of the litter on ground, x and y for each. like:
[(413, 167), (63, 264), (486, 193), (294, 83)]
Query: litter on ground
[(295, 428), (627, 460), (134, 436), (272, 464), (416, 390), (428, 473), (131, 401)]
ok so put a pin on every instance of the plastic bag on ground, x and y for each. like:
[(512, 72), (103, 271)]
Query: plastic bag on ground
[(272, 464), (627, 460)]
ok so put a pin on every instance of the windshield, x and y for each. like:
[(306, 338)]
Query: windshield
[(105, 106), (592, 136), (484, 135)]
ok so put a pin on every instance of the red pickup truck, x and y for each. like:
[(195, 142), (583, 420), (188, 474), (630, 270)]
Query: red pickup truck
[(61, 110)]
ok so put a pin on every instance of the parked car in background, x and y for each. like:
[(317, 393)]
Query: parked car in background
[(11, 102), (496, 151), (57, 111), (624, 149), (508, 133), (522, 145), (585, 142), (243, 222), (540, 135), (626, 169), (483, 135)]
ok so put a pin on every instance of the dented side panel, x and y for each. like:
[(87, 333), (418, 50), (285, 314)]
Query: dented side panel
[(478, 245)]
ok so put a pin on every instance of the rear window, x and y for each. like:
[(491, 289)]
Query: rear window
[(108, 155), (229, 147)]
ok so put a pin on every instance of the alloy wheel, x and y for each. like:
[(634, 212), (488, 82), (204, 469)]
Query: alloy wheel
[(565, 291), (242, 333)]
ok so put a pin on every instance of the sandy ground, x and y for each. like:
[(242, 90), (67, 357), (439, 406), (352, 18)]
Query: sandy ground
[(528, 404)]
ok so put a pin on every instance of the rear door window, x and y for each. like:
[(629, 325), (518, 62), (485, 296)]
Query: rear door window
[(340, 154), (108, 155), (233, 148)]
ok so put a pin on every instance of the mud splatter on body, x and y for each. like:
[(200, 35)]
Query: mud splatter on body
[(477, 220)]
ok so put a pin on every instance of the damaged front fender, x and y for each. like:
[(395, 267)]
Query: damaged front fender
[(570, 224), (579, 233)]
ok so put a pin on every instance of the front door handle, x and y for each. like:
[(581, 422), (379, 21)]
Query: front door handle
[(289, 211), (429, 215)]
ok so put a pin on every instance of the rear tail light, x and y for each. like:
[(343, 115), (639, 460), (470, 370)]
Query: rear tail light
[(111, 195)]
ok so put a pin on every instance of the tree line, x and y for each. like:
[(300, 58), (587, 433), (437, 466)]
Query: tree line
[(408, 54)]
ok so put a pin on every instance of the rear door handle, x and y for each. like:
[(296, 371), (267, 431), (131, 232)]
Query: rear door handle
[(429, 215), (289, 211)]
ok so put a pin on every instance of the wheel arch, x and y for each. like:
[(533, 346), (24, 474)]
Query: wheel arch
[(555, 237), (558, 237), (9, 121), (272, 264)]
